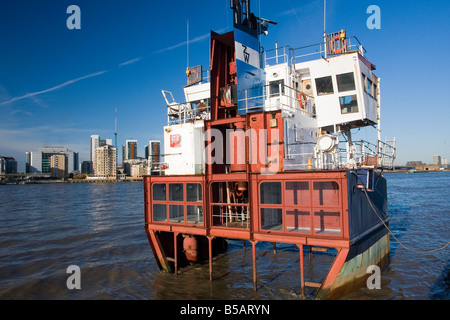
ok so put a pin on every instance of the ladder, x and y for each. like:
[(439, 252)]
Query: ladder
[(389, 153)]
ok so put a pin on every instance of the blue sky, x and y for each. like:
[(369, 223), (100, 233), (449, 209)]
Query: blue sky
[(59, 86)]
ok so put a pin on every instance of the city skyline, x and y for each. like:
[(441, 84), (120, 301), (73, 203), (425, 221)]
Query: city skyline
[(60, 86)]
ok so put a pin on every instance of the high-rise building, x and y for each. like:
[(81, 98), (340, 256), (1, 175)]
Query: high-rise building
[(40, 161), (8, 165), (105, 162), (153, 152), (86, 167), (129, 150), (59, 165), (95, 143), (437, 160)]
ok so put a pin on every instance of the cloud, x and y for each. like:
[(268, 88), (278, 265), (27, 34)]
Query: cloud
[(28, 113), (59, 86)]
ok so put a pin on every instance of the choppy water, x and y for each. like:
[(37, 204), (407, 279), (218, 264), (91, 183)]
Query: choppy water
[(100, 228)]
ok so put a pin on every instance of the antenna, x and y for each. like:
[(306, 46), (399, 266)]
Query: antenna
[(188, 72), (325, 27), (187, 42)]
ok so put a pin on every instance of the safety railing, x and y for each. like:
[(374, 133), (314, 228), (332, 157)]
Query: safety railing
[(364, 153), (289, 55), (180, 113), (274, 97)]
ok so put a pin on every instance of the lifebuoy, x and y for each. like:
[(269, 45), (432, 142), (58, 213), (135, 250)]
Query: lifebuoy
[(302, 100), (193, 76)]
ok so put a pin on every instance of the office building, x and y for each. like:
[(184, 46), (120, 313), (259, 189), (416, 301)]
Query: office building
[(40, 161), (86, 167), (8, 165)]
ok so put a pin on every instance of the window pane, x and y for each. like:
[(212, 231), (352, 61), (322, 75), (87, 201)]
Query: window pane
[(159, 212), (325, 193), (364, 81), (193, 192), (346, 82), (275, 88), (324, 85), (175, 192), (298, 221), (271, 219), (270, 192), (159, 192), (176, 213), (369, 86), (194, 214), (327, 222), (349, 104), (297, 193)]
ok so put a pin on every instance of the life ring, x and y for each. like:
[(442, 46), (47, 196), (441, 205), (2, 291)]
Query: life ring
[(193, 76), (302, 100)]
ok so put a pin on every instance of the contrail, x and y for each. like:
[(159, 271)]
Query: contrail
[(62, 85), (130, 61), (59, 86)]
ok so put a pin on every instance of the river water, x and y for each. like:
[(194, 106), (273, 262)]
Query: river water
[(99, 227)]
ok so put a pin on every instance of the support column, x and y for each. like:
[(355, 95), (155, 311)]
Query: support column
[(302, 275), (254, 263), (175, 251), (210, 257)]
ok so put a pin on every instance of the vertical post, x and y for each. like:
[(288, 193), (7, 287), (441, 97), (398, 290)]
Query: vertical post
[(302, 276), (210, 257), (175, 249), (254, 262)]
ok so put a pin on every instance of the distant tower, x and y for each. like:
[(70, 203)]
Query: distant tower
[(115, 132)]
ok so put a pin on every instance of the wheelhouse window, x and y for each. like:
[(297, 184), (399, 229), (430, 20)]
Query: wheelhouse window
[(349, 104), (324, 85), (346, 82), (276, 87)]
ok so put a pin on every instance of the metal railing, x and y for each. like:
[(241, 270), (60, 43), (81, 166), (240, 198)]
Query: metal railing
[(269, 98), (365, 153), (180, 113), (286, 54)]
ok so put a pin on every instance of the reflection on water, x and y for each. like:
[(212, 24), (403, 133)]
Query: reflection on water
[(100, 227)]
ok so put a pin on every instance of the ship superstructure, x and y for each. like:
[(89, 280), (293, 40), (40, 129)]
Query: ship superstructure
[(262, 150)]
